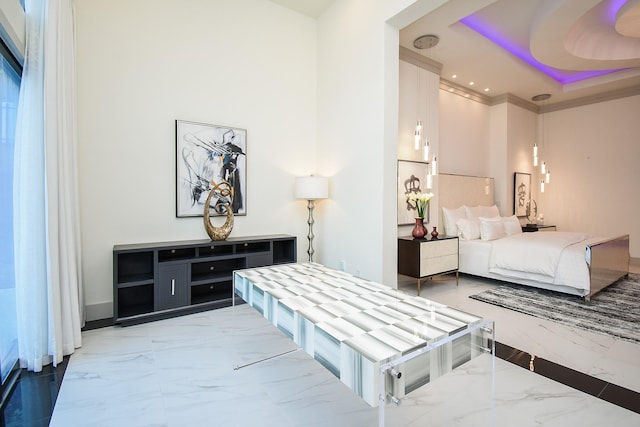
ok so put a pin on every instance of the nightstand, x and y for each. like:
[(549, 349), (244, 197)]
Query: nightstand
[(529, 228), (421, 258)]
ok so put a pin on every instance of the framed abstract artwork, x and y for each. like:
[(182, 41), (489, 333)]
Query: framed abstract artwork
[(412, 178), (205, 154), (521, 193)]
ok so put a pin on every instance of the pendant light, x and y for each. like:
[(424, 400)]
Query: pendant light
[(426, 42), (417, 134), (544, 170)]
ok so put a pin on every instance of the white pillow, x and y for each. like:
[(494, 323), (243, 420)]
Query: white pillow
[(511, 225), (468, 229), (451, 217), (490, 211), (481, 211), (473, 212), (491, 228)]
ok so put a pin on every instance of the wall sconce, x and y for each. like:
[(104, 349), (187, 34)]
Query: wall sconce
[(311, 188)]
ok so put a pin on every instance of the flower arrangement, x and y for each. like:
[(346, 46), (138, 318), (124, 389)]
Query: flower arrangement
[(420, 201)]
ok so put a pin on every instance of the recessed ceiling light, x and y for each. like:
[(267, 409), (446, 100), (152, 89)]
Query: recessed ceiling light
[(471, 83), (454, 76), (466, 95), (486, 89)]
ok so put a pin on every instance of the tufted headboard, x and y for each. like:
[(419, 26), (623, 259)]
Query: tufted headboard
[(458, 190)]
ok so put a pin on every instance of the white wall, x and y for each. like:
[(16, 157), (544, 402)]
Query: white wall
[(357, 132), (419, 92), (593, 154), (143, 64), (351, 136), (358, 47), (315, 96), (465, 139), (521, 134)]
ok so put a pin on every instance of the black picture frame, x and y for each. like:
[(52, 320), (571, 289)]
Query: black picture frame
[(412, 178), (206, 153), (521, 193)]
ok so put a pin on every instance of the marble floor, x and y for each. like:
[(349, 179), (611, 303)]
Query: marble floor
[(180, 372), (31, 400), (600, 356)]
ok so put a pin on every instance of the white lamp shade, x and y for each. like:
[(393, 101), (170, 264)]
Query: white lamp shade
[(312, 187)]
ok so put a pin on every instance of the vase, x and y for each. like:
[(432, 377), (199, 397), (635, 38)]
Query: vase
[(434, 233), (419, 230)]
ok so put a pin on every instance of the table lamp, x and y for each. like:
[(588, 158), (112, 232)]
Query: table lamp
[(311, 188)]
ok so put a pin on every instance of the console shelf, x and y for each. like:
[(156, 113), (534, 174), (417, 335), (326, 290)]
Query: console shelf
[(154, 281)]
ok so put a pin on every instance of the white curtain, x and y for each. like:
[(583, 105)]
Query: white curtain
[(49, 296)]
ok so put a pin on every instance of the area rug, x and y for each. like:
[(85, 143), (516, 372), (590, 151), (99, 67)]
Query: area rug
[(615, 311)]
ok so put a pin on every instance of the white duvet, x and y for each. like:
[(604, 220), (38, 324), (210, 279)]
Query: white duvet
[(534, 253)]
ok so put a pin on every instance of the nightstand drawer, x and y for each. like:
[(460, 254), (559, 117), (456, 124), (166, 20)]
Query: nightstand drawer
[(422, 258), (439, 248), (439, 264)]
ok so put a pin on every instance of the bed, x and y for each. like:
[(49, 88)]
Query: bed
[(494, 247)]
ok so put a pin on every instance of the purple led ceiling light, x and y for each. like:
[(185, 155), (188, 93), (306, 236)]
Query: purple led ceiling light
[(562, 76)]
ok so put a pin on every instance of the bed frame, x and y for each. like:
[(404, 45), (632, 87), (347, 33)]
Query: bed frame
[(608, 259), (608, 262)]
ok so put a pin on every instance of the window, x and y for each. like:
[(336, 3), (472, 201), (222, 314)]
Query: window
[(10, 72)]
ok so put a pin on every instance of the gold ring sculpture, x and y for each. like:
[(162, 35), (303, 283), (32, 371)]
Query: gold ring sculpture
[(223, 190)]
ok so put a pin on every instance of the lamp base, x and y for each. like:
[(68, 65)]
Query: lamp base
[(310, 205)]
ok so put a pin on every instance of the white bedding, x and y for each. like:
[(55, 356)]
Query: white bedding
[(537, 253), (531, 264)]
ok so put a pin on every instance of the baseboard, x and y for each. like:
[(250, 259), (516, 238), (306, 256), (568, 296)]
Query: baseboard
[(97, 324), (98, 311)]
